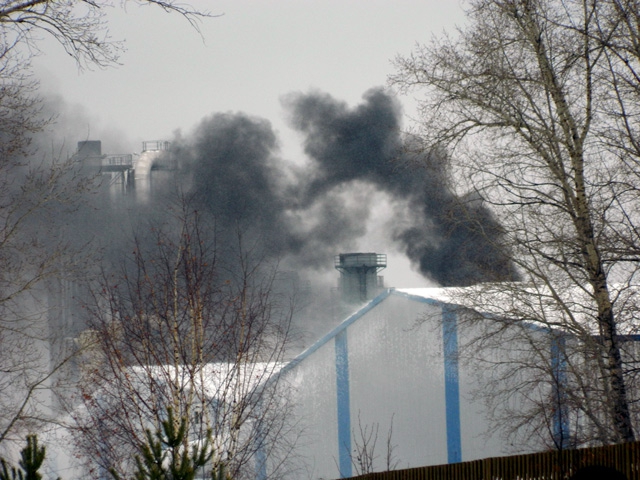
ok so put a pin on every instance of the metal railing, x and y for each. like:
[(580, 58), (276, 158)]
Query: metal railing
[(124, 159), (155, 145), (353, 260), (554, 465)]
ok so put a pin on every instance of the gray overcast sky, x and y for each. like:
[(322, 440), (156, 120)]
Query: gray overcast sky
[(246, 59)]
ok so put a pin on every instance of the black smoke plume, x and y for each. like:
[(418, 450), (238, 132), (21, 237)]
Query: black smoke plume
[(306, 214)]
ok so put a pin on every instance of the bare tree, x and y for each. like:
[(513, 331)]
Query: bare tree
[(176, 329), (365, 457), (34, 257), (36, 189), (78, 25), (537, 102)]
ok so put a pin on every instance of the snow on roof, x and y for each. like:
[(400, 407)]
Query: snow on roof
[(519, 301), (220, 381), (570, 308), (215, 380), (439, 294)]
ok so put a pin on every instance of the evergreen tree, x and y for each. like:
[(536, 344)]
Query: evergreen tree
[(32, 457), (167, 456)]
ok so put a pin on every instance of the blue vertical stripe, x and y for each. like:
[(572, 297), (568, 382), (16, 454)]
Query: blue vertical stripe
[(261, 463), (261, 454), (451, 383), (561, 432), (343, 401)]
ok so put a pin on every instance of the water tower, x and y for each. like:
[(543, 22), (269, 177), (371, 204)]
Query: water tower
[(359, 280)]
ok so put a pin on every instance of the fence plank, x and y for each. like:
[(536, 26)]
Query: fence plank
[(555, 465)]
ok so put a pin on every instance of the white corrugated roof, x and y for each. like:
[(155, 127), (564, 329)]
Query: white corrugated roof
[(571, 308)]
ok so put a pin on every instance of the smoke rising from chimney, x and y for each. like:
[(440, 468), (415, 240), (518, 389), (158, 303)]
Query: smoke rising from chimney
[(306, 214)]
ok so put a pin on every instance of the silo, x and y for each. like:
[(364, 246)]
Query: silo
[(89, 154), (359, 280), (90, 148)]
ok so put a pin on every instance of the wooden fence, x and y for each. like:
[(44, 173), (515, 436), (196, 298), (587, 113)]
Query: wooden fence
[(556, 465)]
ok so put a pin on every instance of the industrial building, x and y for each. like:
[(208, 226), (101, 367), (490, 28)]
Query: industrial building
[(390, 387), (388, 382), (390, 368)]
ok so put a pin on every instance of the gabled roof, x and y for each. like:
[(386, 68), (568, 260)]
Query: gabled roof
[(569, 310), (499, 299), (433, 296)]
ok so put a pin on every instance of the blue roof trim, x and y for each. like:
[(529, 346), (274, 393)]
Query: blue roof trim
[(623, 337), (341, 327)]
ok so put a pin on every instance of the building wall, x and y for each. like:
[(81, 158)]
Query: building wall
[(397, 374), (314, 387), (392, 368)]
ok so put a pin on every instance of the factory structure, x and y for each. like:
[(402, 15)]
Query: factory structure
[(126, 171), (387, 388)]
